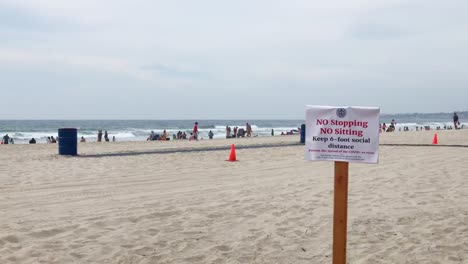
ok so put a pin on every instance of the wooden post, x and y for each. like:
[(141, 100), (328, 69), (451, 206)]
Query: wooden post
[(340, 212)]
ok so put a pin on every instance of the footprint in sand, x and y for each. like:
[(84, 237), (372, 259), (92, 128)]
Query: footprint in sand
[(46, 233), (10, 239), (195, 259), (222, 248)]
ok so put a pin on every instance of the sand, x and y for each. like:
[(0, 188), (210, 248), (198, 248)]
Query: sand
[(144, 206)]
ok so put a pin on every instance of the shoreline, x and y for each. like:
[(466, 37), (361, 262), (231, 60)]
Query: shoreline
[(140, 131), (397, 137)]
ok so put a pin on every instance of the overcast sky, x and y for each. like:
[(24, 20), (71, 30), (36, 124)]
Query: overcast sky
[(219, 59)]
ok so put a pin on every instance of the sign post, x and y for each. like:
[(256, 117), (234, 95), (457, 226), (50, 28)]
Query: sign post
[(342, 135), (340, 212)]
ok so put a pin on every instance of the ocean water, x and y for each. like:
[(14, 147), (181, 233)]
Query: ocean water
[(138, 130)]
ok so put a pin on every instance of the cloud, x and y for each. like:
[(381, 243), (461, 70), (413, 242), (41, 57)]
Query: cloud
[(174, 71), (54, 61), (290, 52)]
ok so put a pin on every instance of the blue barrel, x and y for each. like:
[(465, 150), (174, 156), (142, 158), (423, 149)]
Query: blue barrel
[(68, 141), (303, 128)]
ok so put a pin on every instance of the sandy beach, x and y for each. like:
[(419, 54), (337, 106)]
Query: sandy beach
[(179, 202)]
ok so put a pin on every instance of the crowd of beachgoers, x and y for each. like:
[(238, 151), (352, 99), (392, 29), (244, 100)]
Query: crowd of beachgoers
[(193, 134), (230, 132), (392, 126)]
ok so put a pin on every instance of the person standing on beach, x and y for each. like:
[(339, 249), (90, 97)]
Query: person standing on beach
[(210, 134), (455, 120), (249, 129), (391, 127), (195, 131), (6, 139), (99, 135), (106, 136), (272, 132)]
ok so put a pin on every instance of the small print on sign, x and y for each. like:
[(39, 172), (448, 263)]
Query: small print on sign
[(342, 133)]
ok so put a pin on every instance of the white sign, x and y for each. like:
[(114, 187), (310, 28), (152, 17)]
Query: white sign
[(342, 133)]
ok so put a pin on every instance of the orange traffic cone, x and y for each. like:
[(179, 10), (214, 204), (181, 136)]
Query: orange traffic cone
[(232, 156), (434, 141)]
